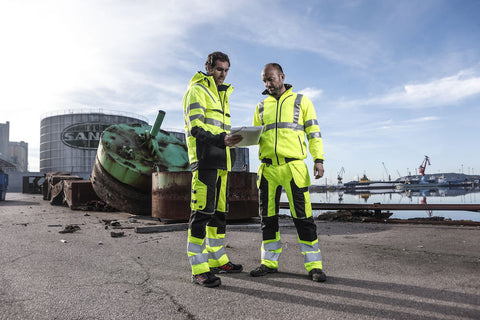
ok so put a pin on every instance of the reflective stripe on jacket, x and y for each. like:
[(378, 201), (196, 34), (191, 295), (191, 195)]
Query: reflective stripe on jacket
[(287, 121), (207, 121)]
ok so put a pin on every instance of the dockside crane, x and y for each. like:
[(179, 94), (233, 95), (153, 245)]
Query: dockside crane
[(340, 175), (399, 175), (386, 171), (422, 167)]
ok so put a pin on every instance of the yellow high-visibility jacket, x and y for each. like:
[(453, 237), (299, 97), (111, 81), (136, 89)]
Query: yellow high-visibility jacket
[(287, 121), (207, 121)]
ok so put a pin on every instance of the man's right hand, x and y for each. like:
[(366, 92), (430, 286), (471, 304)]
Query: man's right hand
[(230, 140)]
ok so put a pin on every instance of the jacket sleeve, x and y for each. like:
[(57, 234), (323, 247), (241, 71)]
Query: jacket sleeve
[(194, 104), (315, 142), (256, 117)]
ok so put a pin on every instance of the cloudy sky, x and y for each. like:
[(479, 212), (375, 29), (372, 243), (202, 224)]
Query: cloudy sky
[(391, 81)]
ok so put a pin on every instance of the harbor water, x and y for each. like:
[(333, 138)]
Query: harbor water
[(389, 196)]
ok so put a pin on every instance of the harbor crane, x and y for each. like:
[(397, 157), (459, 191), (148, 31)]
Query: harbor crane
[(386, 171), (340, 175), (422, 167), (399, 175)]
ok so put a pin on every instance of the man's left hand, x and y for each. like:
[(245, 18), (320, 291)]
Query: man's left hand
[(318, 170), (230, 140)]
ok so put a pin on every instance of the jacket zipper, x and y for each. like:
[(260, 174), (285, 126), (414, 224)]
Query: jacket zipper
[(223, 108), (278, 118), (276, 131)]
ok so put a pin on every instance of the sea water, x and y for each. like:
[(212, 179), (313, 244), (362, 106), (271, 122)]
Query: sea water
[(430, 196)]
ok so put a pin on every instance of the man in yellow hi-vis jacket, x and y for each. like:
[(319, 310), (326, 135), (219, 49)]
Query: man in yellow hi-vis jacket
[(207, 129), (288, 117)]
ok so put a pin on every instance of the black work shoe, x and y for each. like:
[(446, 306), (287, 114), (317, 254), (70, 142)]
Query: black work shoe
[(317, 275), (228, 268), (206, 279), (262, 270)]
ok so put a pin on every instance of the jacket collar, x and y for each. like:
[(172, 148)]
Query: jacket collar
[(288, 88), (208, 81)]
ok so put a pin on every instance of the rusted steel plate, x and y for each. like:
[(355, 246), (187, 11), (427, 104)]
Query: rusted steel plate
[(79, 194), (171, 195), (56, 194), (51, 179), (32, 184)]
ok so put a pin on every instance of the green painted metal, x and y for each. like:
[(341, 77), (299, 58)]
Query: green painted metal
[(158, 123), (130, 152)]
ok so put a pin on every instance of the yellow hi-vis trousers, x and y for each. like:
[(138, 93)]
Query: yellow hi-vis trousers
[(206, 231), (294, 177)]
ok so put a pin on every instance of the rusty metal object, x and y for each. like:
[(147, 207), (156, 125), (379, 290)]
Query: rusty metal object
[(50, 181), (126, 156), (121, 196), (79, 195), (55, 187), (243, 196), (32, 184), (56, 194), (171, 196)]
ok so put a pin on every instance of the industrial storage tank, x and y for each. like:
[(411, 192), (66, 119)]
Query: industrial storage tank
[(69, 139)]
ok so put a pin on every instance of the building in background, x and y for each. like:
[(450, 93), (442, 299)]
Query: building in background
[(19, 155), (13, 155), (4, 139), (69, 140)]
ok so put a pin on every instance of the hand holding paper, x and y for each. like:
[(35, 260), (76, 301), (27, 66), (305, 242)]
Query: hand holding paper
[(250, 134), (232, 140)]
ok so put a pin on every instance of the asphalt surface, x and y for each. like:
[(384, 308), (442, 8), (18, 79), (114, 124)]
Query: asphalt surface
[(375, 271)]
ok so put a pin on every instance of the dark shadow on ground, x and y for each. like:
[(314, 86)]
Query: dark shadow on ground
[(384, 295)]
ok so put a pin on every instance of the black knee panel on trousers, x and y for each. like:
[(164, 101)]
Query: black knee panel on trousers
[(264, 196), (197, 224), (298, 199), (270, 227), (306, 229), (219, 221)]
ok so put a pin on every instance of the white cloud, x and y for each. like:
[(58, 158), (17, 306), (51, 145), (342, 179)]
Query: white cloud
[(311, 93), (445, 90), (285, 29), (423, 119), (436, 93)]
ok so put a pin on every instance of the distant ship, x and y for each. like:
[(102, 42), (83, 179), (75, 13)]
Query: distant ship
[(366, 184), (423, 183)]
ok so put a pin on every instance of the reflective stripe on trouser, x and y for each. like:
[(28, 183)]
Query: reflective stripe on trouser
[(292, 176), (206, 232)]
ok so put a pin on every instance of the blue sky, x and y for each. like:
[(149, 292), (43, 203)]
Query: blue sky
[(391, 81)]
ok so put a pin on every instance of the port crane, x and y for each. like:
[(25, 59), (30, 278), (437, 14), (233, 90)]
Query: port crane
[(340, 175), (423, 165), (399, 175), (386, 171)]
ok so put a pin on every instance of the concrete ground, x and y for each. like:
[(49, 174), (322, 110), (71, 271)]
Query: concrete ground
[(375, 271)]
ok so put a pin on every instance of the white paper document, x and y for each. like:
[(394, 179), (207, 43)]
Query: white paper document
[(251, 135)]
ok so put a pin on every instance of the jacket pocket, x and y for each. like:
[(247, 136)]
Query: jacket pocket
[(301, 144)]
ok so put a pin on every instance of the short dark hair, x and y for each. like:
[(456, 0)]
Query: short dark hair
[(214, 56), (275, 65)]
